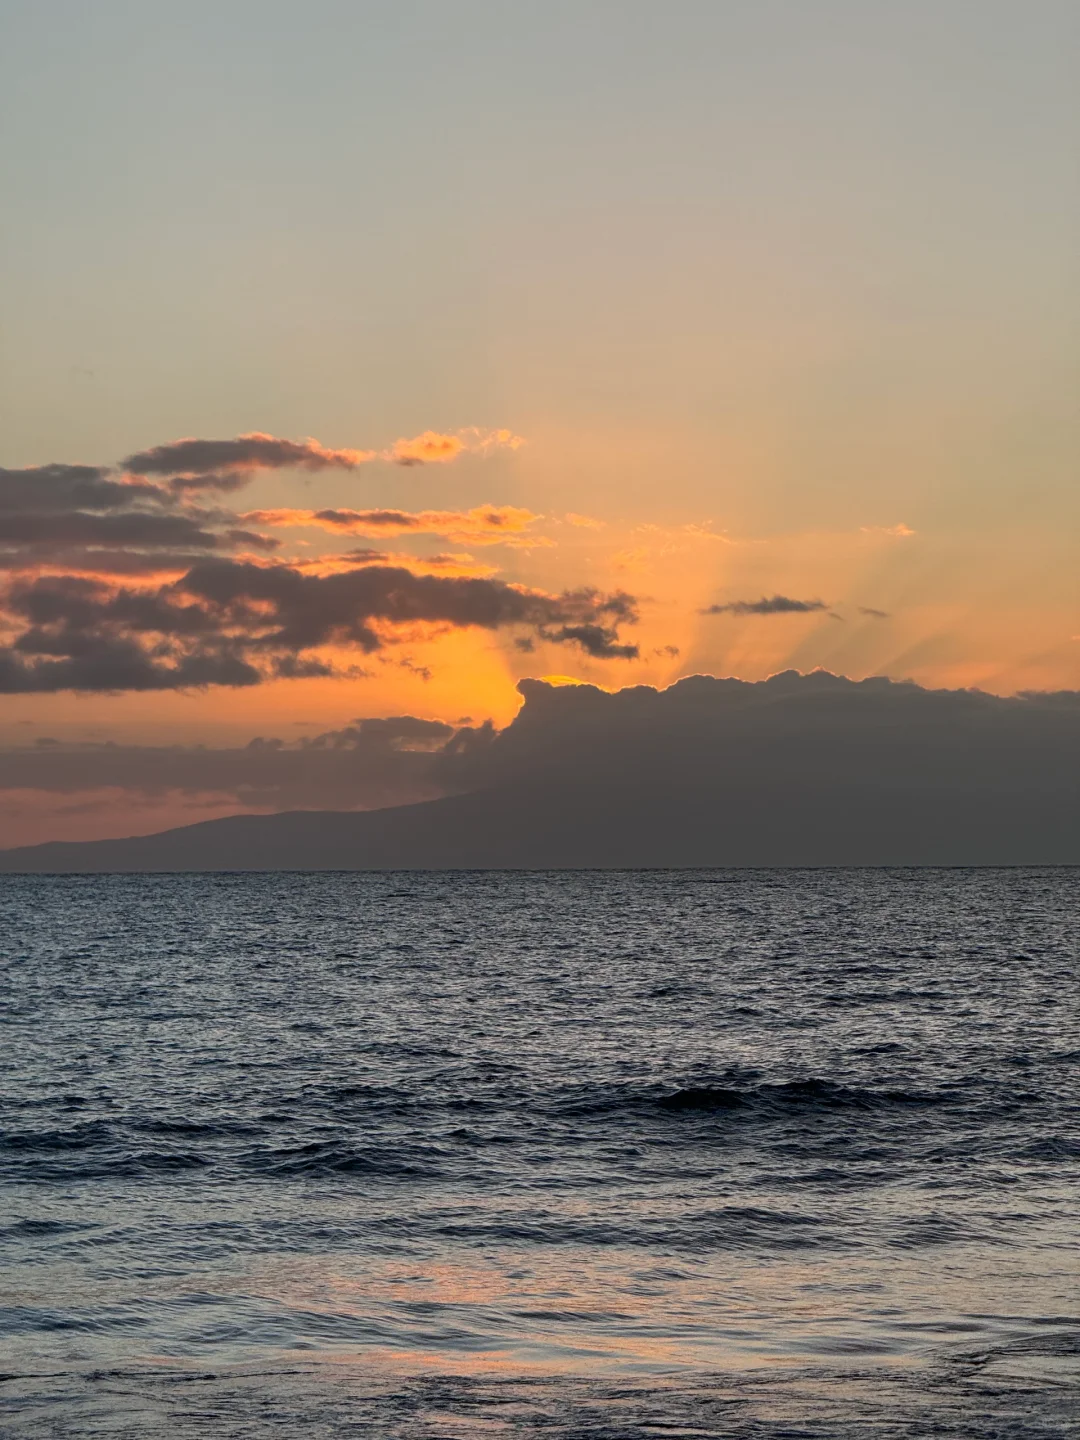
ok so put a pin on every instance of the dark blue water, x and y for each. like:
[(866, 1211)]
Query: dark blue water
[(763, 1153)]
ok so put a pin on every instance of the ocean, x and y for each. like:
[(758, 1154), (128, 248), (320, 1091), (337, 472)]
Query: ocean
[(600, 1154)]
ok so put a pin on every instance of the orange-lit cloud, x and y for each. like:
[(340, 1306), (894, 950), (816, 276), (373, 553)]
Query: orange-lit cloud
[(445, 563), (433, 448), (671, 540), (430, 448), (483, 525), (661, 542), (635, 560), (898, 532)]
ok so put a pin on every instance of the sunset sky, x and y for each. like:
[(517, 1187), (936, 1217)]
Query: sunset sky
[(632, 316)]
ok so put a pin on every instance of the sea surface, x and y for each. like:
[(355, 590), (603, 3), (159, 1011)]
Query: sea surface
[(709, 1153)]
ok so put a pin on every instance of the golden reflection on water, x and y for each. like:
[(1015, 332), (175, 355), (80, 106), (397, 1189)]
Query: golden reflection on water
[(560, 1314)]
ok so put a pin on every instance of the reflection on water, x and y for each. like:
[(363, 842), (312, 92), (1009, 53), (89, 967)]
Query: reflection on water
[(556, 1314), (975, 1397)]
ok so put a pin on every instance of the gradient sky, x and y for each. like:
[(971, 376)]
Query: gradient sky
[(783, 297)]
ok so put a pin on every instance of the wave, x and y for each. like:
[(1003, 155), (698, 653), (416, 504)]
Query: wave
[(434, 1131), (734, 1095), (802, 1095)]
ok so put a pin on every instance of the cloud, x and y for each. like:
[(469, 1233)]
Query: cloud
[(209, 460), (229, 622), (46, 489), (432, 448), (898, 532), (82, 560), (429, 448), (595, 640), (80, 527), (872, 613), (398, 732), (367, 764), (135, 542), (224, 481), (300, 611), (114, 664), (444, 563), (675, 540), (774, 605), (584, 522), (449, 561), (227, 464), (484, 525)]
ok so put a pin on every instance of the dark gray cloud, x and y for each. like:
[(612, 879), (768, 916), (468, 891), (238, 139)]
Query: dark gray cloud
[(45, 489), (90, 518), (112, 664), (87, 516), (79, 517), (133, 528), (798, 769), (298, 611), (229, 622), (95, 519), (96, 560), (773, 605), (600, 641), (377, 519), (395, 732), (207, 462), (872, 613), (229, 481)]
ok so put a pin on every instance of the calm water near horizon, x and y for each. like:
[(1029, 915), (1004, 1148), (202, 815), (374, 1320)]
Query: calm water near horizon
[(761, 1153)]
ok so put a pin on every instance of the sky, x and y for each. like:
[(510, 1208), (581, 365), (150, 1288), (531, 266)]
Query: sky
[(719, 338)]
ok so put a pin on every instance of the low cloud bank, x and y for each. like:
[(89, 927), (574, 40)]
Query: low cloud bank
[(816, 732), (365, 765), (386, 752)]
